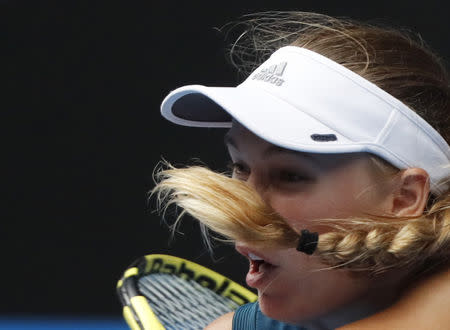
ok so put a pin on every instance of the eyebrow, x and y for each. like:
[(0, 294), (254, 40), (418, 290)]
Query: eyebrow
[(272, 149)]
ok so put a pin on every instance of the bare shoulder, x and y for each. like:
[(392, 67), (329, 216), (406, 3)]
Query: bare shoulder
[(225, 322)]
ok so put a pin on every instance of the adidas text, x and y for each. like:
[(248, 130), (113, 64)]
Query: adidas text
[(271, 74)]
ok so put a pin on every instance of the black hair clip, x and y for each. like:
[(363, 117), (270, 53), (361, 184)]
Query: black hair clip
[(307, 242)]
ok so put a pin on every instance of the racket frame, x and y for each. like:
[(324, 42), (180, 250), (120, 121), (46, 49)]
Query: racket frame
[(136, 309)]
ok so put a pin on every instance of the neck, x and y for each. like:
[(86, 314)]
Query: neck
[(373, 302), (357, 310)]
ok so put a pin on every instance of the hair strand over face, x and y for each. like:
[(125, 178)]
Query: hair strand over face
[(232, 209)]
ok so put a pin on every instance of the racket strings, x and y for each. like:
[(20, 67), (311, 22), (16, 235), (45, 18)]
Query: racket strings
[(183, 304)]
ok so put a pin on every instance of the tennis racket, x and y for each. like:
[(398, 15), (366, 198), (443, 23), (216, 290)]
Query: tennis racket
[(165, 292)]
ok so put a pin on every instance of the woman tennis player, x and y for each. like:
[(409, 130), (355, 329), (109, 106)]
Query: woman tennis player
[(340, 188)]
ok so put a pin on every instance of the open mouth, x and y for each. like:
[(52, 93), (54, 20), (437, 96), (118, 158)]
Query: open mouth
[(258, 264), (261, 271)]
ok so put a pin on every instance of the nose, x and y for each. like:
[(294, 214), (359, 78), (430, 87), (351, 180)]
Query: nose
[(260, 185)]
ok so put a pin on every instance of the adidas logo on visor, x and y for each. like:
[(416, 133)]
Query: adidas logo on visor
[(272, 74)]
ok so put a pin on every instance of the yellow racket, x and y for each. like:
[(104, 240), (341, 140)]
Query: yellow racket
[(165, 292)]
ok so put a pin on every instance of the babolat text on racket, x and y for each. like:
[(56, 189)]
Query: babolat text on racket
[(165, 292)]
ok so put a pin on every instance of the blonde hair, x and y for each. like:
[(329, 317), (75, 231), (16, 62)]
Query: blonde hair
[(396, 61), (235, 211)]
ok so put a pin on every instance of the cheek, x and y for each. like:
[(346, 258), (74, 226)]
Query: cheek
[(300, 211), (336, 200), (305, 289)]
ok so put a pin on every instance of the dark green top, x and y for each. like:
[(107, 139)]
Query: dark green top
[(250, 317)]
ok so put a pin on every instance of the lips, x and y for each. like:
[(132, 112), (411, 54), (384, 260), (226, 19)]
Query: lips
[(255, 262), (261, 270)]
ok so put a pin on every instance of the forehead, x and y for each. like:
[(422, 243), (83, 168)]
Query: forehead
[(245, 141)]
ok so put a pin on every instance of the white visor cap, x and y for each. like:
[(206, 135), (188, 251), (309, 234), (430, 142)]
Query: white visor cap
[(303, 101)]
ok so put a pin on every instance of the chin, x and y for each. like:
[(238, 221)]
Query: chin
[(281, 309)]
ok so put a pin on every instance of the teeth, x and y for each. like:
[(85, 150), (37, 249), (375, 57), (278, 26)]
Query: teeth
[(254, 257)]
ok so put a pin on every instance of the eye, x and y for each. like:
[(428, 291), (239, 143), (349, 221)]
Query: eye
[(239, 171)]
